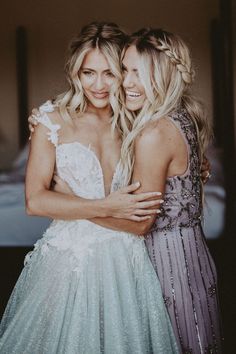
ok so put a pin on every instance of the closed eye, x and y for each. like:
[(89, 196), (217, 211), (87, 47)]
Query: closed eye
[(123, 68), (87, 72)]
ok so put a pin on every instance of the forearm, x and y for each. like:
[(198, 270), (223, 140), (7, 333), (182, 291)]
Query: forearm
[(63, 206), (134, 227)]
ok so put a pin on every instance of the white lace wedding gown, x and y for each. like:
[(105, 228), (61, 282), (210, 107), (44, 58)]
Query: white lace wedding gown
[(85, 289)]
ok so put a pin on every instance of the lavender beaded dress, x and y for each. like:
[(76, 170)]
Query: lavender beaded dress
[(179, 254)]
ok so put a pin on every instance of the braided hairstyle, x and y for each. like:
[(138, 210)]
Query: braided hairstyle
[(166, 73), (165, 43), (110, 40)]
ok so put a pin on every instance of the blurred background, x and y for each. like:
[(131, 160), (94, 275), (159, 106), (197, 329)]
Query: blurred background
[(34, 36)]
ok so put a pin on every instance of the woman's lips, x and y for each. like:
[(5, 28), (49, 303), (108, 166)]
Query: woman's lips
[(100, 94), (132, 95)]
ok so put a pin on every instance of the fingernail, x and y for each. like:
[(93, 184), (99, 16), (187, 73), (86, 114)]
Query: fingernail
[(161, 201), (137, 184), (158, 193), (158, 211)]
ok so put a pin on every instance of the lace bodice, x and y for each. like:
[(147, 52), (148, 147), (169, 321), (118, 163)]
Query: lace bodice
[(76, 163), (80, 168)]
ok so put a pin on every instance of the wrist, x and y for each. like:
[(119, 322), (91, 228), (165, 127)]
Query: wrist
[(103, 209)]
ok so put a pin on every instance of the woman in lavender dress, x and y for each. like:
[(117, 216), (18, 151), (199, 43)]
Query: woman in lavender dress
[(171, 130), (85, 288)]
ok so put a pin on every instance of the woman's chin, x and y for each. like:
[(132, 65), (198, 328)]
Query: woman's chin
[(99, 103), (133, 106)]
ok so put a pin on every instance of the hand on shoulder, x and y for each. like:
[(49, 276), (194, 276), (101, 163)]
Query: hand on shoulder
[(33, 119)]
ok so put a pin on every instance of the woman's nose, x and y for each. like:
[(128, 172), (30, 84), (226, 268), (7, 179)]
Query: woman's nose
[(99, 83), (128, 81)]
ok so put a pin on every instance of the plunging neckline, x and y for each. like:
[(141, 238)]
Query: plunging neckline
[(88, 149)]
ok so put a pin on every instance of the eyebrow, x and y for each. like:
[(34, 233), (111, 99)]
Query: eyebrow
[(89, 69)]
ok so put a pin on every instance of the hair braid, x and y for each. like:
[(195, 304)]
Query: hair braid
[(185, 69)]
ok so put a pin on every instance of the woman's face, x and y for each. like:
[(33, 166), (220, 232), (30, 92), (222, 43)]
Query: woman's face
[(134, 90), (96, 79)]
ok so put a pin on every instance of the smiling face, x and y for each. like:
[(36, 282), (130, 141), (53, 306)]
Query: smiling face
[(134, 90), (96, 79)]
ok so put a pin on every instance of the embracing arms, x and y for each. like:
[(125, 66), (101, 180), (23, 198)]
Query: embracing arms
[(151, 170), (120, 210), (41, 201)]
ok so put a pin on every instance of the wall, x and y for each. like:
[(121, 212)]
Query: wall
[(50, 25)]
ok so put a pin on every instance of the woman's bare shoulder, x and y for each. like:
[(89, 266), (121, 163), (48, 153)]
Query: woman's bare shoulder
[(155, 131)]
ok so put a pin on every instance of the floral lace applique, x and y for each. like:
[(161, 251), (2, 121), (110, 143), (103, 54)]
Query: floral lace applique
[(44, 120)]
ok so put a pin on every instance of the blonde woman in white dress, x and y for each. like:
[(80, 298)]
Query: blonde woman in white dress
[(85, 288)]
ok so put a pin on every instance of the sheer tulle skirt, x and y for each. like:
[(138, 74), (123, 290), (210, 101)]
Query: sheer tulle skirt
[(94, 293)]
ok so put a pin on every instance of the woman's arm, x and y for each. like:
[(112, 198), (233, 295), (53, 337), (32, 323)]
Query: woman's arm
[(153, 155), (41, 201)]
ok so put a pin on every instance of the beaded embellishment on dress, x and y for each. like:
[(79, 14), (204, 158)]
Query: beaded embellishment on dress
[(179, 254)]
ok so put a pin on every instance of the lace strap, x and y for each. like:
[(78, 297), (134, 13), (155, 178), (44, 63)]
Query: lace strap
[(45, 120)]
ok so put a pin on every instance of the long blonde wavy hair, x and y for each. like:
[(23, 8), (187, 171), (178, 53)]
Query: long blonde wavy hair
[(110, 40), (166, 74)]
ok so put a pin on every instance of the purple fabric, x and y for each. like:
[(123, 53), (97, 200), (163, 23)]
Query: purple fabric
[(179, 254)]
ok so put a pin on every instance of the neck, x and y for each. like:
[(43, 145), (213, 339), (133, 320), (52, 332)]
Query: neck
[(102, 113)]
